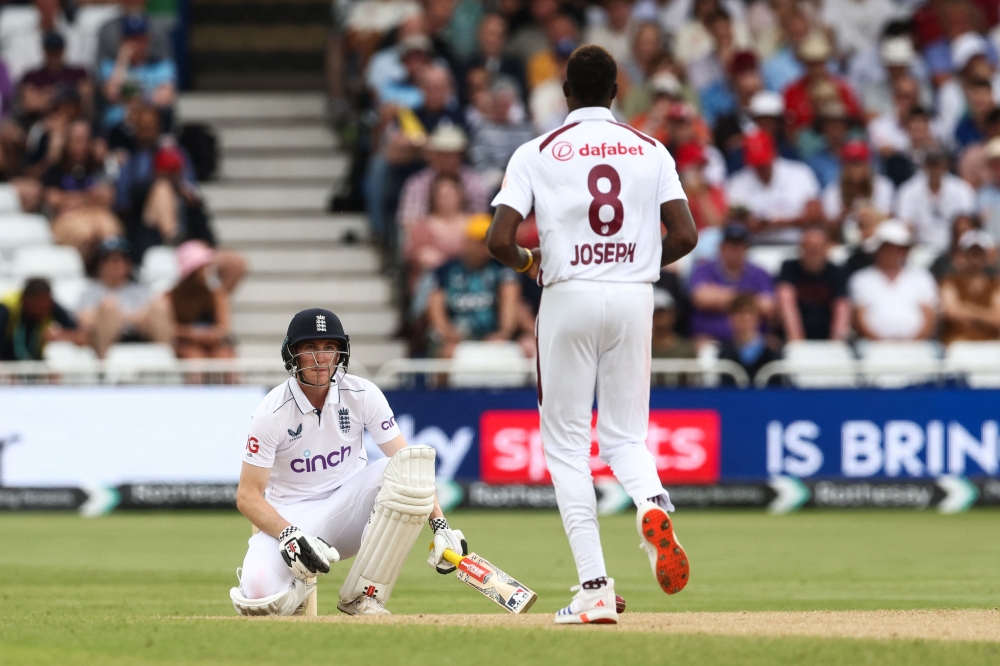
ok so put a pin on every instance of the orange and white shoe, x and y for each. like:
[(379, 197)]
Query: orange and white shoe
[(591, 606), (666, 555)]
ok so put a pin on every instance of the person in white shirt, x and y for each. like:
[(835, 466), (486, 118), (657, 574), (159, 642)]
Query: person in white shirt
[(780, 197), (858, 185), (930, 200), (308, 486), (893, 301), (600, 190)]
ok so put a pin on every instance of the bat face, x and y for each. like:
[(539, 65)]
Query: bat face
[(503, 590)]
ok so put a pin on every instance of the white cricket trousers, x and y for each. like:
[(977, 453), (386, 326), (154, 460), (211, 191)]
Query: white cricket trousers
[(595, 338), (340, 520)]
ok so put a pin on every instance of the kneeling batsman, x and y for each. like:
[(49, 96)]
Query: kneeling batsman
[(307, 485)]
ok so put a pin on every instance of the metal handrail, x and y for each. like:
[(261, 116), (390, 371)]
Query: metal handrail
[(861, 369), (272, 371)]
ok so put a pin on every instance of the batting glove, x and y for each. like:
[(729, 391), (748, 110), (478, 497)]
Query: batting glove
[(445, 538), (305, 555)]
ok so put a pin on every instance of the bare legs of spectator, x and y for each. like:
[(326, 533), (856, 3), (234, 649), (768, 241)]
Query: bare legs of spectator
[(232, 268), (85, 228), (29, 191), (206, 349), (160, 212), (154, 323)]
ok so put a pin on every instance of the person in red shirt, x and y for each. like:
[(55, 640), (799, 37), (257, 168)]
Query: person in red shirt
[(818, 85)]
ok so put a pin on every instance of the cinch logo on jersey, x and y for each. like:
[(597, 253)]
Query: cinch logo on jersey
[(603, 253), (307, 464)]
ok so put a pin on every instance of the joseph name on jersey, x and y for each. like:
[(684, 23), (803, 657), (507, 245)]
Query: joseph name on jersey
[(596, 186), (312, 452)]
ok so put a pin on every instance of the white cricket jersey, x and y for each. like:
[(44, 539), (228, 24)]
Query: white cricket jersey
[(596, 186), (312, 452)]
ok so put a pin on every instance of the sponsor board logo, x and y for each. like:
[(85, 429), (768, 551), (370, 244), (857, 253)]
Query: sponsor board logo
[(895, 448), (683, 443)]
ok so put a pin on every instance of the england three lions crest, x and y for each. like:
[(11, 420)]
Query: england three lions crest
[(344, 416)]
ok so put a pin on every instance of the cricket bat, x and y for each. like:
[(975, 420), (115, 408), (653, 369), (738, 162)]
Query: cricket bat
[(476, 572)]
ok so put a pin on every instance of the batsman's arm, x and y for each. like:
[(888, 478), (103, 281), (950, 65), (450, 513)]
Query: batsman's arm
[(391, 448), (251, 503), (682, 235), (502, 242)]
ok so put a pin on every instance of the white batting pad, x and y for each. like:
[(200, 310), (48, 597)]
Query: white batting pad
[(290, 602), (402, 506)]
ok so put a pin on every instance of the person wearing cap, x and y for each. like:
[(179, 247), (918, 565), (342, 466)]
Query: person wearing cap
[(394, 73), (115, 308), (875, 71), (932, 198), (200, 305), (445, 152), (726, 99), (950, 261), (30, 318), (822, 145), (109, 37), (39, 86), (134, 73), (893, 301), (706, 200), (563, 37), (857, 184), (988, 196), (968, 58), (714, 285), (474, 297), (812, 292), (800, 97), (970, 297), (777, 196), (21, 47), (665, 101)]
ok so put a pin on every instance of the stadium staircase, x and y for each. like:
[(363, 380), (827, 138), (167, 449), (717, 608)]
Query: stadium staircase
[(279, 165)]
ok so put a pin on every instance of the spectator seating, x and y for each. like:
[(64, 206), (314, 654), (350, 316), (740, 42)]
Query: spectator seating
[(816, 355), (52, 261), (493, 354), (122, 359), (23, 230), (890, 363), (10, 202), (66, 357), (708, 353), (159, 268), (770, 257), (962, 358), (67, 291), (921, 256)]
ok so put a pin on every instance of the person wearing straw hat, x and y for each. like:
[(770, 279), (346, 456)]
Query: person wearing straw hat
[(970, 297)]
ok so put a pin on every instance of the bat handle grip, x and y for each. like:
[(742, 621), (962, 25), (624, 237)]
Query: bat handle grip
[(452, 556)]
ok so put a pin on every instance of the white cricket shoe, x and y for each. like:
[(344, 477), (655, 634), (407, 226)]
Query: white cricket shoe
[(363, 605), (666, 555), (591, 606)]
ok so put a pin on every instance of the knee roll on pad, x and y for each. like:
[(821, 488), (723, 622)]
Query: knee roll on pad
[(402, 506), (289, 602)]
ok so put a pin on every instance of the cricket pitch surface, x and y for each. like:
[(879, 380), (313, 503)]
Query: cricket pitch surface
[(942, 625)]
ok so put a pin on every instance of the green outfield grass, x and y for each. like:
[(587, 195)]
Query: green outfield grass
[(123, 589)]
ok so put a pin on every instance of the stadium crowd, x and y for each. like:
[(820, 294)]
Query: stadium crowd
[(88, 138), (841, 158)]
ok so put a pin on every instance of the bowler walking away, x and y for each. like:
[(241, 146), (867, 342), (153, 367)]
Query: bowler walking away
[(600, 190)]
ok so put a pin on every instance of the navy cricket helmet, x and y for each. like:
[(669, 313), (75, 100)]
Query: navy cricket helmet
[(315, 324)]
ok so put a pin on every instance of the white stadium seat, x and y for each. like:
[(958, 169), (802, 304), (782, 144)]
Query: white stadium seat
[(23, 230), (470, 356), (80, 362), (10, 201), (159, 268), (964, 358), (890, 363), (818, 355), (67, 292), (51, 262), (770, 257), (122, 360)]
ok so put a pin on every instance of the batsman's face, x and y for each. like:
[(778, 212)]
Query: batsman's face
[(317, 360)]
